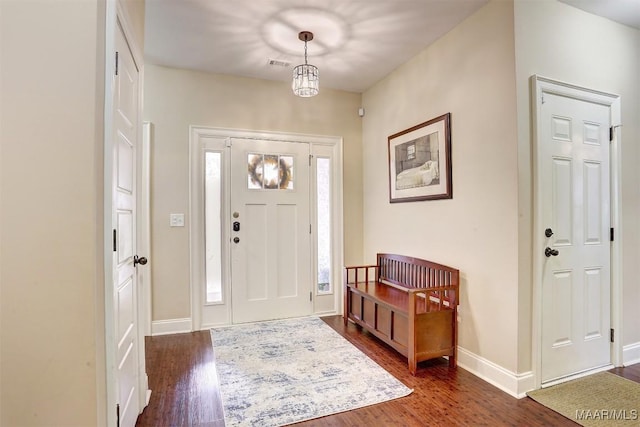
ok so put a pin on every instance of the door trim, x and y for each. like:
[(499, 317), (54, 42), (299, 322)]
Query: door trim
[(198, 134), (144, 225), (539, 86)]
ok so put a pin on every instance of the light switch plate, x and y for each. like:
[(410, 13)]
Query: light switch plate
[(176, 220)]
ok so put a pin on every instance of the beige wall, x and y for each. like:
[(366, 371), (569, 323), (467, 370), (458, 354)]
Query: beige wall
[(564, 43), (52, 355), (470, 73), (51, 297), (176, 99), (134, 14)]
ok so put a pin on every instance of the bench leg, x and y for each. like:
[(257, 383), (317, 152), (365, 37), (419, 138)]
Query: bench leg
[(345, 307), (413, 367), (412, 359)]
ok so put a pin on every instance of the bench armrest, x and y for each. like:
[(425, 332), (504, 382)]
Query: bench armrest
[(351, 267), (353, 274)]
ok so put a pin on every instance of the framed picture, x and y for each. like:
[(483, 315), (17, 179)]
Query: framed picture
[(420, 162)]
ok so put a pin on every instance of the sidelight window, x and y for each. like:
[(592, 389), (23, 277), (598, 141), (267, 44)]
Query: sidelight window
[(213, 226), (323, 221)]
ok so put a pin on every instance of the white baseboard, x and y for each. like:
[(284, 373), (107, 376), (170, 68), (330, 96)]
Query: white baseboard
[(631, 354), (326, 313), (145, 386), (518, 384), (514, 384), (170, 326)]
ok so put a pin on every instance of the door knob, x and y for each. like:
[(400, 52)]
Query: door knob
[(548, 232), (141, 260), (236, 240), (236, 226), (550, 252)]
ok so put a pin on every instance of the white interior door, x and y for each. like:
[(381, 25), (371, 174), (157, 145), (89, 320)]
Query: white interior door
[(270, 243), (574, 177), (124, 199)]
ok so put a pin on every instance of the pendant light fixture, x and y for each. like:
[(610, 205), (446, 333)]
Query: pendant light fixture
[(305, 77)]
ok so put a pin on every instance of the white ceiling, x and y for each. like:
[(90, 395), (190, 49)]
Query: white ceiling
[(357, 42), (626, 12)]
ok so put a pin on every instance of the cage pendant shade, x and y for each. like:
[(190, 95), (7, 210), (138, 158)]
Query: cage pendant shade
[(306, 81)]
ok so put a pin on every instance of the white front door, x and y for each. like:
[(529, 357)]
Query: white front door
[(124, 199), (574, 176), (270, 230)]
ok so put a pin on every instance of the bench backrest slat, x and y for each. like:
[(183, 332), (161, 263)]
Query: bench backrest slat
[(412, 272)]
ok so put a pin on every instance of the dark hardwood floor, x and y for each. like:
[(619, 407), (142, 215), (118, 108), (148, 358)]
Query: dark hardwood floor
[(184, 384)]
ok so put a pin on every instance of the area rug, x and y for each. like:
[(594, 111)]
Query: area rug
[(286, 371), (602, 399)]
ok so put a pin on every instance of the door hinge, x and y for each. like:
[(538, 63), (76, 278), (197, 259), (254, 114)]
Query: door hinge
[(542, 98), (611, 234), (115, 240), (310, 157), (116, 63), (611, 134), (309, 228), (612, 334), (117, 414), (310, 295)]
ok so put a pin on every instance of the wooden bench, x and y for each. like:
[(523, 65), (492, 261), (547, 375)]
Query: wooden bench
[(408, 303)]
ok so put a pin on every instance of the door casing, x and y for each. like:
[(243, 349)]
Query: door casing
[(200, 136), (540, 86)]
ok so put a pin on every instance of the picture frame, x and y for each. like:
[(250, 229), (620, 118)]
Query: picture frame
[(420, 162)]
